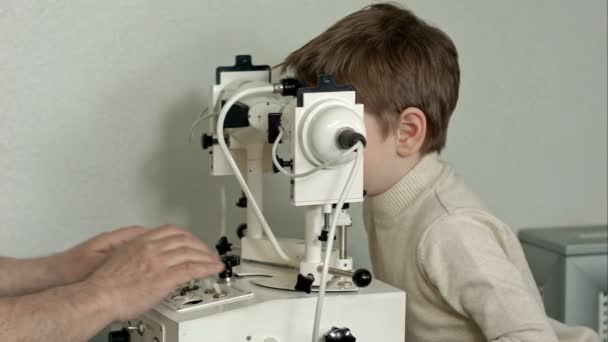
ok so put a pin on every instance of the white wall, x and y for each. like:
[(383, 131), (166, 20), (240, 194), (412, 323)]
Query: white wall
[(97, 97)]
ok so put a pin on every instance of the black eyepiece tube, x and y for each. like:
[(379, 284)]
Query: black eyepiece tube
[(347, 138)]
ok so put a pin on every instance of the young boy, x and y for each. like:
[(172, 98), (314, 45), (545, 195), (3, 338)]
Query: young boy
[(464, 271)]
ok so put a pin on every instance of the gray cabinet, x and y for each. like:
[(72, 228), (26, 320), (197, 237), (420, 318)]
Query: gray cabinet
[(570, 266)]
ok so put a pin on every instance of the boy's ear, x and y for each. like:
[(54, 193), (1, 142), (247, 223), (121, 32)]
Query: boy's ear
[(410, 131)]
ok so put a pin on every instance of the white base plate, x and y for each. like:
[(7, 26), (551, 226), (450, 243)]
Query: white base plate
[(204, 297)]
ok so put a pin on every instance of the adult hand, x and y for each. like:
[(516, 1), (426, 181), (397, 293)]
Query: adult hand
[(78, 262), (146, 269)]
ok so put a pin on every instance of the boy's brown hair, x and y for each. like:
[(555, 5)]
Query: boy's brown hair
[(394, 60)]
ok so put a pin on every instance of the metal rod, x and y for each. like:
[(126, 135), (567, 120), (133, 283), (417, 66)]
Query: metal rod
[(332, 270), (343, 243), (326, 220), (337, 271)]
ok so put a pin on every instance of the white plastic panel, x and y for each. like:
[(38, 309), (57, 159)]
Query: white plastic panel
[(204, 296), (325, 186), (153, 330), (219, 165), (375, 313)]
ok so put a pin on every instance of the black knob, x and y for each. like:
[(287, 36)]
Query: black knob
[(229, 262), (223, 246), (227, 273), (207, 141), (119, 336), (290, 86), (242, 202), (241, 231), (324, 236), (287, 163), (284, 163), (304, 283), (339, 335), (362, 277), (234, 260)]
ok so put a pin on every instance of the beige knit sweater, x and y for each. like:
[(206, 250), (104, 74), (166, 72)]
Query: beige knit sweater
[(463, 270)]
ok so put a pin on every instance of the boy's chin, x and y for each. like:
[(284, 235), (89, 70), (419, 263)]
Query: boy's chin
[(367, 193), (372, 190)]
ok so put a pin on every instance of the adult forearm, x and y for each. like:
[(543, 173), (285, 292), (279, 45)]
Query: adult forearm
[(23, 276), (67, 313)]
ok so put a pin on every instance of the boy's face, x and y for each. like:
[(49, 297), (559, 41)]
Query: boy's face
[(389, 157), (378, 155)]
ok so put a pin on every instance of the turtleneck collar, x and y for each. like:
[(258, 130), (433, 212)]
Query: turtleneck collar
[(401, 195)]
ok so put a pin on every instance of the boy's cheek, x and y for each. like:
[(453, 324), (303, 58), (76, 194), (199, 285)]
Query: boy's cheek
[(373, 160), (368, 168)]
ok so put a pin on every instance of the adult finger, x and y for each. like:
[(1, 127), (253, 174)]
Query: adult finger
[(177, 241), (185, 272), (185, 255)]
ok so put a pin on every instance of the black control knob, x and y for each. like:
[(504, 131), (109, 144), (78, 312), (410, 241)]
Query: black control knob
[(339, 335), (325, 235), (362, 277), (285, 163), (229, 262), (234, 260), (242, 202), (304, 283), (227, 273), (241, 231), (223, 246), (207, 141), (119, 336)]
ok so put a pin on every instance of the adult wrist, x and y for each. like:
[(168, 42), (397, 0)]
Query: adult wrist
[(100, 300), (59, 267)]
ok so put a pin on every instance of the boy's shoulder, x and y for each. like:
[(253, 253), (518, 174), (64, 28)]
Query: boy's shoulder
[(453, 202), (462, 210), (453, 193)]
